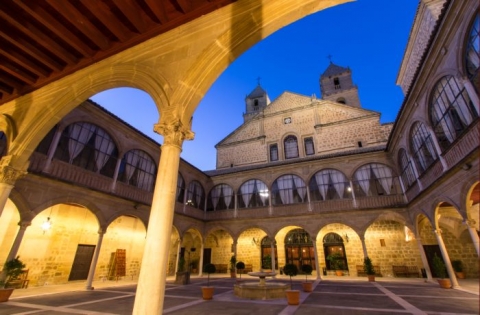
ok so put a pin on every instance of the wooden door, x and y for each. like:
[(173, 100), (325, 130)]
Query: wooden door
[(81, 263)]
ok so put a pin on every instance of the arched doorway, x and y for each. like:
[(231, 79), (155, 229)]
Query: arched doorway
[(267, 253), (333, 243), (299, 248)]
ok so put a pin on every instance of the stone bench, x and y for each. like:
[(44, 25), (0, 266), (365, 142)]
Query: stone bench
[(405, 271), (221, 268)]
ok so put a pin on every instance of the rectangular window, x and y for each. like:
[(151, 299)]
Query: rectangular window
[(273, 152), (309, 148)]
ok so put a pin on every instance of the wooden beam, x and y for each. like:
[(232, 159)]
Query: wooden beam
[(13, 55), (17, 72), (183, 5), (103, 13), (8, 85), (131, 12), (158, 8)]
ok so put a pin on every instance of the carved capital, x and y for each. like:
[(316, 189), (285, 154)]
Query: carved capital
[(438, 231), (24, 225), (9, 175), (470, 223), (174, 132)]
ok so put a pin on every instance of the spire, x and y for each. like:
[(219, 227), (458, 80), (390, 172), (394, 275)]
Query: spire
[(333, 70)]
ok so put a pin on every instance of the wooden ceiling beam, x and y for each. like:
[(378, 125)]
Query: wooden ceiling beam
[(8, 85), (158, 8), (131, 12), (54, 26), (24, 62), (184, 6), (32, 51), (17, 73), (39, 38), (81, 22), (102, 12)]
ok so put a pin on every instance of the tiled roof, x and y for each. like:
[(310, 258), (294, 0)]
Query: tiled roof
[(257, 92)]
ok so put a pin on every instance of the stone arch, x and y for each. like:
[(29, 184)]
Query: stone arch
[(23, 207), (34, 129), (7, 125)]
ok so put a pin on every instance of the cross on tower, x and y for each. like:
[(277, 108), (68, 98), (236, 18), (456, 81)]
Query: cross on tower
[(258, 80), (330, 58)]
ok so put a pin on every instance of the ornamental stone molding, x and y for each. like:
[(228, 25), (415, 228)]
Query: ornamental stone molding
[(174, 132), (9, 175)]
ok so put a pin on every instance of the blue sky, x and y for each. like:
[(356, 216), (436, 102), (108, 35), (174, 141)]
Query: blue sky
[(369, 36)]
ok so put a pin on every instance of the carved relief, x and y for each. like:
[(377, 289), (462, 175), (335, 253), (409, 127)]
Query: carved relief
[(174, 132)]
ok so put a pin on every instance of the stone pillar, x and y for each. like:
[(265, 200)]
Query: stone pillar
[(18, 240), (179, 250), (115, 175), (52, 149), (424, 259), (93, 265), (200, 263), (315, 253), (364, 246), (353, 195), (153, 273), (471, 93), (473, 234), (446, 259), (272, 256), (8, 177)]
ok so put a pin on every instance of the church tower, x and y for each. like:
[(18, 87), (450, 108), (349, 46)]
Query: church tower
[(255, 102), (336, 85)]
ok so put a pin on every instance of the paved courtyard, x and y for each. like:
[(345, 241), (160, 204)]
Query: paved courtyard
[(332, 295)]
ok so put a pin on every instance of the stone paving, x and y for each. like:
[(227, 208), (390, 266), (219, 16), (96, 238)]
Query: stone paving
[(331, 296)]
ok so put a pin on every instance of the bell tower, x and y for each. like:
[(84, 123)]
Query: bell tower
[(336, 85), (255, 102)]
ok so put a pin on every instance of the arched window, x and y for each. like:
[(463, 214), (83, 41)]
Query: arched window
[(472, 53), (406, 169), (421, 145), (44, 145), (291, 147), (374, 180), (329, 184), (341, 100), (220, 198), (273, 152), (195, 195), (289, 189), (88, 146), (137, 169), (451, 110), (299, 248), (253, 193), (309, 147), (180, 188)]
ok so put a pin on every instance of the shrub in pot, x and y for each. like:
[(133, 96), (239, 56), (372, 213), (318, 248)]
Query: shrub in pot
[(458, 268), (441, 273), (240, 266), (368, 268), (293, 296), (207, 292), (307, 286), (11, 271), (233, 261)]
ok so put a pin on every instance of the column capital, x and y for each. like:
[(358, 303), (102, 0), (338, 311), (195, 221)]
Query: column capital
[(8, 173), (24, 225), (438, 231), (174, 132), (470, 223)]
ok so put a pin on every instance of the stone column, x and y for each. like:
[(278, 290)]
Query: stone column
[(153, 273), (179, 250), (52, 149), (473, 234), (352, 191), (272, 256), (93, 265), (471, 93), (315, 253), (424, 259), (364, 246), (115, 175), (18, 240), (200, 263), (8, 177), (446, 259)]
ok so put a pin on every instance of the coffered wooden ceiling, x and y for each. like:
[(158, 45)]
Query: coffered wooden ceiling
[(44, 40)]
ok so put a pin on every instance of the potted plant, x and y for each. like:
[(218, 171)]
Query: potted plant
[(233, 261), (207, 292), (11, 271), (336, 263), (240, 266), (368, 268), (267, 262), (307, 286), (458, 268), (293, 296), (182, 276), (439, 269)]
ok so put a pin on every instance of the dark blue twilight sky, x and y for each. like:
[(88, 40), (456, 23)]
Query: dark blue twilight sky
[(369, 36)]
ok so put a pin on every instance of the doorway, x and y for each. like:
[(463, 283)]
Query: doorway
[(81, 263), (299, 249), (333, 243)]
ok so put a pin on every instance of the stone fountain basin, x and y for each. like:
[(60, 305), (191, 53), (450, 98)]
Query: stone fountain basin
[(254, 291)]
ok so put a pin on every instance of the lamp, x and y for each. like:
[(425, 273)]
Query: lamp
[(46, 225), (346, 237), (255, 241)]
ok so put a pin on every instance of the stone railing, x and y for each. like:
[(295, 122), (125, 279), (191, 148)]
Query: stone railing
[(372, 202), (469, 142), (81, 177), (332, 205)]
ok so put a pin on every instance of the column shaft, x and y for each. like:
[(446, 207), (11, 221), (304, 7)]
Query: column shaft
[(93, 265), (446, 259)]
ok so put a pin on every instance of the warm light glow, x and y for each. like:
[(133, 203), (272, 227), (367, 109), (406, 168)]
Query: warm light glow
[(349, 189), (264, 193), (47, 225)]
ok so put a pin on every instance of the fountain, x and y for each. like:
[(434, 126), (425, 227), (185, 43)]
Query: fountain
[(261, 290)]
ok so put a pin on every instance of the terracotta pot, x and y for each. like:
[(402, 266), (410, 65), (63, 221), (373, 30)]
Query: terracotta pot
[(233, 274), (293, 297), (444, 283), (5, 294), (207, 293), (371, 278), (339, 272), (460, 274), (307, 286)]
